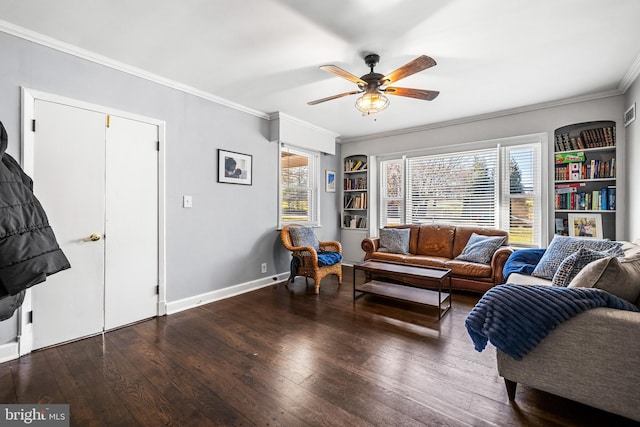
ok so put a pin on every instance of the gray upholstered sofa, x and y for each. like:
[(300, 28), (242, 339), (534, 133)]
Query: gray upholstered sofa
[(592, 358)]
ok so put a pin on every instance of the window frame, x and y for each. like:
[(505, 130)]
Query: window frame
[(502, 145), (314, 158)]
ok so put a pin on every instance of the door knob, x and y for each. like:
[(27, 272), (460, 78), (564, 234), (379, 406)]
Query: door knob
[(93, 238)]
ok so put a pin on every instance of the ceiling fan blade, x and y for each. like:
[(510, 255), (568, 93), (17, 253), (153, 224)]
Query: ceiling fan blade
[(329, 98), (344, 74), (420, 63), (427, 95)]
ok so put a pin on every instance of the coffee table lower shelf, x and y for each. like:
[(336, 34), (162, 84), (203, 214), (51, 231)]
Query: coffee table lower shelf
[(439, 300)]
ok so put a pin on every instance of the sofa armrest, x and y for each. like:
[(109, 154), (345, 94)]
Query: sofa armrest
[(591, 358), (497, 263), (370, 245)]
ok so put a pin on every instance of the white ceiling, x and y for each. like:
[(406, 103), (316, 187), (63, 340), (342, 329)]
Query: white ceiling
[(492, 55)]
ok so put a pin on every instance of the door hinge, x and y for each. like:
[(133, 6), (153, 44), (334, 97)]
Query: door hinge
[(158, 290), (33, 125), (108, 120), (157, 145), (30, 317)]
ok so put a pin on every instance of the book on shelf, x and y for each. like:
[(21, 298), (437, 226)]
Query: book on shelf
[(588, 138), (590, 169), (355, 165), (354, 221), (356, 202), (570, 198)]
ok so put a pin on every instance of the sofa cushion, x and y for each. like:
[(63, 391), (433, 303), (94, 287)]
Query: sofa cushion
[(394, 240), (480, 249), (436, 240), (386, 256), (469, 269), (574, 263), (618, 276), (563, 246), (304, 236), (428, 261)]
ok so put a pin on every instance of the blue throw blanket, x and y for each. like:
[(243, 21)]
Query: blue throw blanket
[(522, 261), (515, 318)]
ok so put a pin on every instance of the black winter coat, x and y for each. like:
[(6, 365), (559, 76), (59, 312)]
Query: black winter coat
[(29, 251)]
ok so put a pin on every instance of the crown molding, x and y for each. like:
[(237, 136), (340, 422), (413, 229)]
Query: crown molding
[(488, 116), (630, 76), (61, 46)]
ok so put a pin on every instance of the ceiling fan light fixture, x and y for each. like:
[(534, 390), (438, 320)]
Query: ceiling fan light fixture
[(372, 102)]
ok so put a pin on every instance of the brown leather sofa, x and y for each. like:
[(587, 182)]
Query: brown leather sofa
[(437, 245)]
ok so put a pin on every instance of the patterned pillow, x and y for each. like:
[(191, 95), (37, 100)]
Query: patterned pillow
[(563, 246), (394, 240), (304, 236), (575, 262), (480, 249)]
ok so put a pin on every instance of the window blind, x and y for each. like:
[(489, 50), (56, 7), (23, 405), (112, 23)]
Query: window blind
[(520, 204), (298, 186), (391, 192), (453, 188)]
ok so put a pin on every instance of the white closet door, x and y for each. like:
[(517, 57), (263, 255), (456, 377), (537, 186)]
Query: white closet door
[(69, 181), (94, 179), (131, 244)]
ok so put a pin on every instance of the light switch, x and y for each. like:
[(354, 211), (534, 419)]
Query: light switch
[(187, 202)]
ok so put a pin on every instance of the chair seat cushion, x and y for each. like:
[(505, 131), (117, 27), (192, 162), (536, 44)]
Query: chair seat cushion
[(329, 258)]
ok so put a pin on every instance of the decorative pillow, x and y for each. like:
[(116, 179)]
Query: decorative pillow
[(480, 249), (304, 236), (618, 276), (394, 240), (574, 263), (563, 246)]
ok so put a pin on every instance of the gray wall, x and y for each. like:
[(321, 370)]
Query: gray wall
[(632, 178), (231, 229)]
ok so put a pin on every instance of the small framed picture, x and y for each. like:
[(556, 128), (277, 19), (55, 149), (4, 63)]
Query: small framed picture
[(234, 168), (587, 225), (329, 181), (630, 115)]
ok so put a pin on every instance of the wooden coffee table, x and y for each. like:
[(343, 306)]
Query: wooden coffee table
[(414, 283)]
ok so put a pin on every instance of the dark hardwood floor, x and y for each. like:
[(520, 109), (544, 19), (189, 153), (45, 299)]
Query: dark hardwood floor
[(285, 356)]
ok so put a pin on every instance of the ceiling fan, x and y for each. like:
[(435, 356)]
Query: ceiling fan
[(374, 85)]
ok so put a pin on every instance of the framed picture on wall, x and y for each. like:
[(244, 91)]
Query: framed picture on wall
[(329, 181), (587, 225), (234, 168)]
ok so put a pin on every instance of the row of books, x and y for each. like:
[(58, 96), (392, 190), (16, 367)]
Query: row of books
[(590, 138), (353, 165), (596, 200), (356, 202), (354, 221), (590, 169), (355, 184)]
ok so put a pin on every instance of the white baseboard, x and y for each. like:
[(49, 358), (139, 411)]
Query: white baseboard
[(8, 351), (197, 300)]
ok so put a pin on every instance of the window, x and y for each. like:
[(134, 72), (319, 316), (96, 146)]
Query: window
[(298, 186), (392, 192), (521, 207), (457, 188), (497, 186)]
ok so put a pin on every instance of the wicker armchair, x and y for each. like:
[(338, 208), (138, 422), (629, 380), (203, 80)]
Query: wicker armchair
[(308, 259)]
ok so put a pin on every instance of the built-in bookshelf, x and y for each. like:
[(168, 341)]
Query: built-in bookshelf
[(355, 192), (585, 179)]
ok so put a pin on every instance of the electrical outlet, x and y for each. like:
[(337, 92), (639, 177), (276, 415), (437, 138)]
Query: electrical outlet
[(263, 267)]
